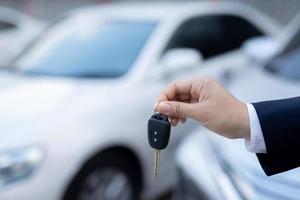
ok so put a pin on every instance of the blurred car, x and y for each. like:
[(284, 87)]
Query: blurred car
[(212, 167), (16, 31), (74, 106)]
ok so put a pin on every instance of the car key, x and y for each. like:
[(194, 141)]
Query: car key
[(159, 129)]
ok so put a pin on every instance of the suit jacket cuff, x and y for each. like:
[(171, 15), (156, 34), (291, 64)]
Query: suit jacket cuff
[(279, 120)]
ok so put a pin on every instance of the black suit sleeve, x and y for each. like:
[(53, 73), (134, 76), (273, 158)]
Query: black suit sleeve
[(280, 123)]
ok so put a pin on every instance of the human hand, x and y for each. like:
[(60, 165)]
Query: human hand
[(206, 101)]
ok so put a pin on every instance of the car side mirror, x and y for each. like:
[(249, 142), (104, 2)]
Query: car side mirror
[(180, 60), (260, 49)]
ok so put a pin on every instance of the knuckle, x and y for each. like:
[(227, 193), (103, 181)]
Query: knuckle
[(178, 110), (173, 84)]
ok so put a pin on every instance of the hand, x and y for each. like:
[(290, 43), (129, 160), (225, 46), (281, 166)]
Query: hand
[(206, 101)]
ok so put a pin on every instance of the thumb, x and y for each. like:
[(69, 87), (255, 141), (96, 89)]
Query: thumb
[(175, 109)]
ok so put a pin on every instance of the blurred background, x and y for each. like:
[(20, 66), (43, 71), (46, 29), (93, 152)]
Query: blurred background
[(47, 10), (79, 78)]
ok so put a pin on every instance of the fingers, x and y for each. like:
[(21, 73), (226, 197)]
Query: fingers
[(174, 121), (182, 120), (177, 89), (175, 109), (180, 100)]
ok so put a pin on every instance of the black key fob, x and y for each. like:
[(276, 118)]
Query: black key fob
[(159, 129)]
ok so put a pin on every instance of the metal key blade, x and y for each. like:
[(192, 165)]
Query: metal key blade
[(156, 161)]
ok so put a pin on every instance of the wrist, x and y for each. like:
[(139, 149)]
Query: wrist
[(236, 121)]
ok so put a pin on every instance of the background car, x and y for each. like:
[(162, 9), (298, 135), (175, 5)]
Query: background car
[(218, 168), (16, 31), (74, 106)]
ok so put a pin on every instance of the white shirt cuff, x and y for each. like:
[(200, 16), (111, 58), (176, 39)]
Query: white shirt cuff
[(256, 144)]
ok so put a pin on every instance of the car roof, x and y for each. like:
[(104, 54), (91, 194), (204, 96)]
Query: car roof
[(163, 10), (14, 16)]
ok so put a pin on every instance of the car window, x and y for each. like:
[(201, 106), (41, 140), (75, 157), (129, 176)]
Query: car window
[(87, 48), (213, 35), (6, 26)]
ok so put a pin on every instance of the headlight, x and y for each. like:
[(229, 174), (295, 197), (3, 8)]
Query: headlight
[(19, 164)]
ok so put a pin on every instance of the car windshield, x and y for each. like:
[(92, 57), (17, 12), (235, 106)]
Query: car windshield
[(87, 48)]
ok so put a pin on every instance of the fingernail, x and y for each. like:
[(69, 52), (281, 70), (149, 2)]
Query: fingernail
[(164, 108)]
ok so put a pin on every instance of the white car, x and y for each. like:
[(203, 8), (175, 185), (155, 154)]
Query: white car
[(74, 110), (16, 31), (213, 167)]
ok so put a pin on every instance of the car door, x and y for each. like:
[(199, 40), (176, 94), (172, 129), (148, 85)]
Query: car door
[(216, 38)]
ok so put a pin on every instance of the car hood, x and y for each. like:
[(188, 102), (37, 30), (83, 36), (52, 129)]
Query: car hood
[(254, 85), (214, 162), (35, 105)]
